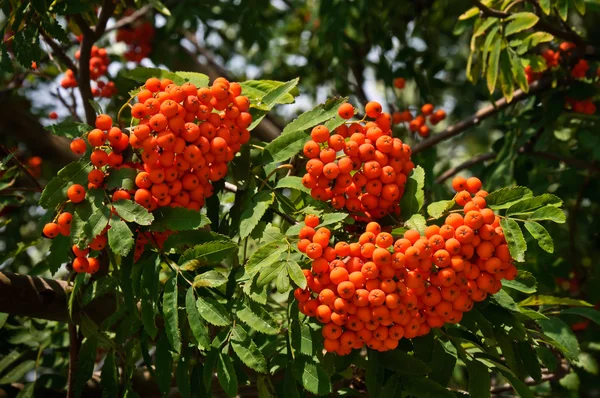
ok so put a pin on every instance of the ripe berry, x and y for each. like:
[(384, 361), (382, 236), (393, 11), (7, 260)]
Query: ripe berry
[(76, 193)]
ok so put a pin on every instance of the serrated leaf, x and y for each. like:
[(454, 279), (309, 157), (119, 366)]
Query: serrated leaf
[(589, 313), (265, 256), (518, 71), (141, 74), (226, 375), (529, 359), (283, 147), (551, 300), (178, 219), (505, 197), (470, 13), (247, 350), (109, 379), (59, 253), (258, 319), (197, 325), (278, 95), (541, 235), (521, 388), (97, 107), (55, 191), (257, 89), (181, 240), (18, 372), (197, 79), (438, 209), (514, 239), (421, 387), (442, 366), (163, 364), (206, 253), (493, 64), (392, 387), (506, 73), (292, 182), (121, 178), (254, 212), (520, 21), (506, 301), (413, 197), (487, 46), (210, 278), (403, 363), (133, 212), (148, 295), (69, 129), (267, 274), (479, 379), (120, 237), (562, 335), (89, 218), (530, 204), (8, 359), (317, 115), (417, 222), (212, 311), (550, 213), (296, 274), (312, 376), (525, 282), (171, 313), (533, 40), (332, 218), (85, 365)]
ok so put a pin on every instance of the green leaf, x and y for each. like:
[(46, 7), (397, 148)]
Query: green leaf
[(247, 350), (163, 363), (149, 293), (258, 319), (444, 361), (545, 6), (292, 182), (403, 363), (18, 372), (213, 312), (332, 218), (254, 212), (178, 219), (506, 197), (121, 178), (413, 197), (279, 94), (417, 222), (505, 301), (226, 375), (304, 340), (493, 63), (312, 376), (85, 365), (3, 318), (551, 300), (470, 13), (438, 209), (141, 74), (563, 9), (520, 21), (514, 238), (392, 387), (317, 115), (255, 90), (550, 213), (120, 237), (89, 218), (182, 377), (171, 313), (210, 278), (267, 274), (265, 256), (197, 325), (133, 212), (518, 72), (562, 335), (529, 359), (521, 388), (283, 147), (589, 313), (580, 6), (184, 239), (374, 373), (97, 107), (530, 204), (479, 379), (540, 234), (27, 391), (296, 274), (487, 46), (109, 379), (59, 253), (421, 387), (533, 40), (69, 129), (506, 75), (55, 191), (197, 79), (525, 282), (206, 253)]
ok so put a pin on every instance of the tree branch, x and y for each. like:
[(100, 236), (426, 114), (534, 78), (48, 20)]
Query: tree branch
[(60, 53), (128, 20), (23, 169), (465, 165), (484, 113), (73, 355)]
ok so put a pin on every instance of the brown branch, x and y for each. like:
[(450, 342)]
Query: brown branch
[(576, 163), (60, 53), (74, 343), (130, 19), (484, 113), (489, 11), (558, 374), (465, 165)]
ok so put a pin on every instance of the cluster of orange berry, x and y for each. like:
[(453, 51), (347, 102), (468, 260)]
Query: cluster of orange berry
[(138, 38), (376, 291), (418, 124), (369, 177), (99, 62), (184, 139)]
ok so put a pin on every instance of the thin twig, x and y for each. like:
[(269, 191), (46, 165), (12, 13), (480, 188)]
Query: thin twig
[(22, 167), (59, 52), (484, 113), (465, 165), (128, 20)]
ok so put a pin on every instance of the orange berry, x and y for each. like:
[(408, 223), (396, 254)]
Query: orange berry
[(346, 111)]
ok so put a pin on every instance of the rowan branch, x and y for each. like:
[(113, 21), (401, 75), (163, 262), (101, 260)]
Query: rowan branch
[(484, 113), (59, 52), (74, 344), (22, 167), (130, 19)]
